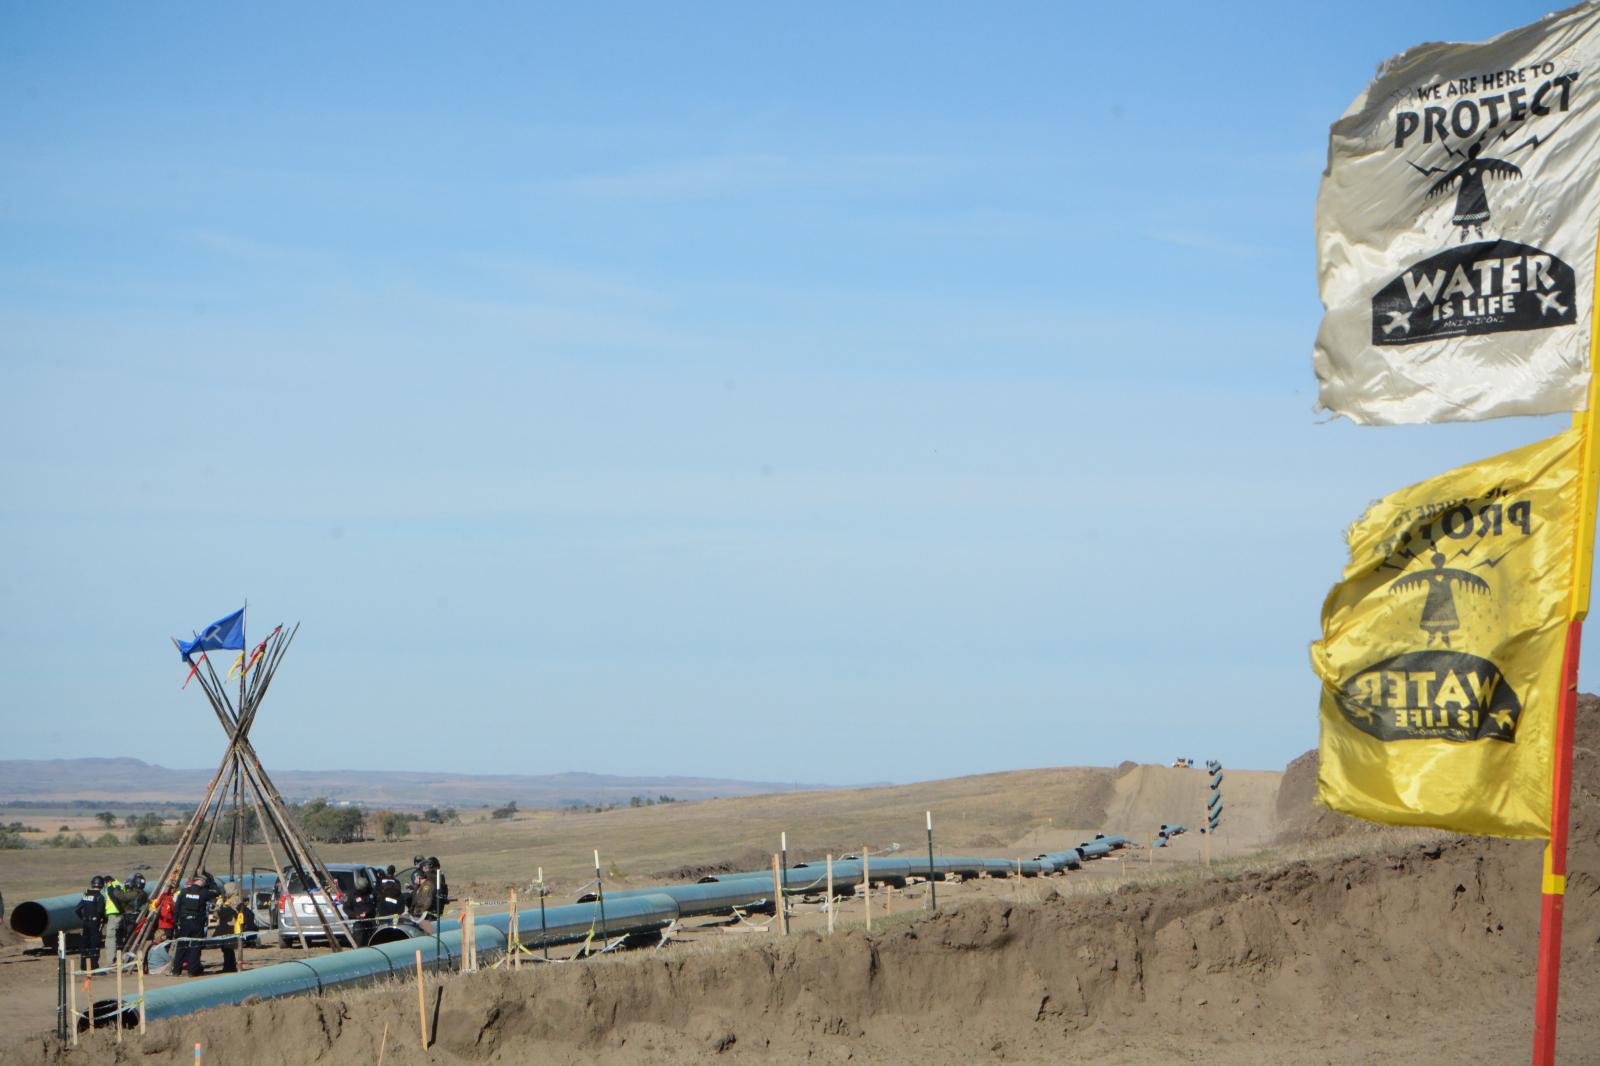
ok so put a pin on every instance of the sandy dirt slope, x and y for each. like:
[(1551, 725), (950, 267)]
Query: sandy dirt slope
[(1423, 956), (1146, 796)]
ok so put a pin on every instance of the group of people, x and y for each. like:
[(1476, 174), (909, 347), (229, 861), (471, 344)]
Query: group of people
[(382, 902), (102, 910), (202, 908), (429, 891)]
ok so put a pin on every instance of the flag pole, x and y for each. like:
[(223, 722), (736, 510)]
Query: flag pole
[(1553, 885), (238, 795)]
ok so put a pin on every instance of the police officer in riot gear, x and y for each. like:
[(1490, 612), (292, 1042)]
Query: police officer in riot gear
[(91, 911), (190, 908), (390, 896), (422, 899), (362, 908)]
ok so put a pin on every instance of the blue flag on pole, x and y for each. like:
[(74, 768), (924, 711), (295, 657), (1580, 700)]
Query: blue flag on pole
[(223, 633)]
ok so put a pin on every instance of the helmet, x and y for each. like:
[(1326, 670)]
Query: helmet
[(433, 861), (97, 882), (137, 880), (196, 881), (418, 860), (391, 869)]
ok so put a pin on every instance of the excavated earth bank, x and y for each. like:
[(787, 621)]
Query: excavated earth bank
[(1421, 954)]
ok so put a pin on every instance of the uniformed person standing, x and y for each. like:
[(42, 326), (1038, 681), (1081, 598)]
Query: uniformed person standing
[(91, 911), (229, 921), (422, 905), (389, 894), (137, 898), (363, 907), (115, 893), (190, 909), (441, 887)]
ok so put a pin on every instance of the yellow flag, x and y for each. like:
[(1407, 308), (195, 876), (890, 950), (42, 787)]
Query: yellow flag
[(1441, 649)]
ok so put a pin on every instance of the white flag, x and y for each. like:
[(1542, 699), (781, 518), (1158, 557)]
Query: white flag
[(1456, 230)]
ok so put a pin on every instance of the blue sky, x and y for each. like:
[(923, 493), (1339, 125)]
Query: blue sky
[(820, 394)]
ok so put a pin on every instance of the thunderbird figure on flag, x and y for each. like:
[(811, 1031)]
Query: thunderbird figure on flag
[(1439, 618), (1472, 200)]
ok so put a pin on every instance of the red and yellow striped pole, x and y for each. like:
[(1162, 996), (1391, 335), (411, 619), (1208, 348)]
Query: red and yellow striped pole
[(1554, 884)]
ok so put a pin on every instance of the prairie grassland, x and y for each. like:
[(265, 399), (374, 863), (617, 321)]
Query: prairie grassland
[(1008, 814)]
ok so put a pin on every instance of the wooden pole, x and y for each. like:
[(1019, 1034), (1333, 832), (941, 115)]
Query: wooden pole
[(778, 900), (72, 1006), (544, 939), (600, 896), (242, 756), (866, 883), (933, 891), (516, 935), (63, 979), (783, 850), (422, 1011), (830, 895), (383, 1043), (140, 971)]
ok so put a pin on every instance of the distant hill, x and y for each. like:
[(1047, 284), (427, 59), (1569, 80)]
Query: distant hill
[(131, 780)]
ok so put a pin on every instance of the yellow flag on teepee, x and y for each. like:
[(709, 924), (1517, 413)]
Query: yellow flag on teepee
[(1441, 649)]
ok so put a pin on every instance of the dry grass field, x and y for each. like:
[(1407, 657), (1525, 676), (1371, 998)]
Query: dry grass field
[(1005, 814)]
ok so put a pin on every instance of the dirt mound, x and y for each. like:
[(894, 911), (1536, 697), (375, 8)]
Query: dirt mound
[(1144, 797), (1300, 818), (1356, 961)]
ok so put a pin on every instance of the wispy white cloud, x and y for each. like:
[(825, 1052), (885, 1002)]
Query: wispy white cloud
[(1202, 241), (723, 175)]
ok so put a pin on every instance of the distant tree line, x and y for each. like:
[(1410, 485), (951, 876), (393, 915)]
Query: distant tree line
[(582, 807)]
